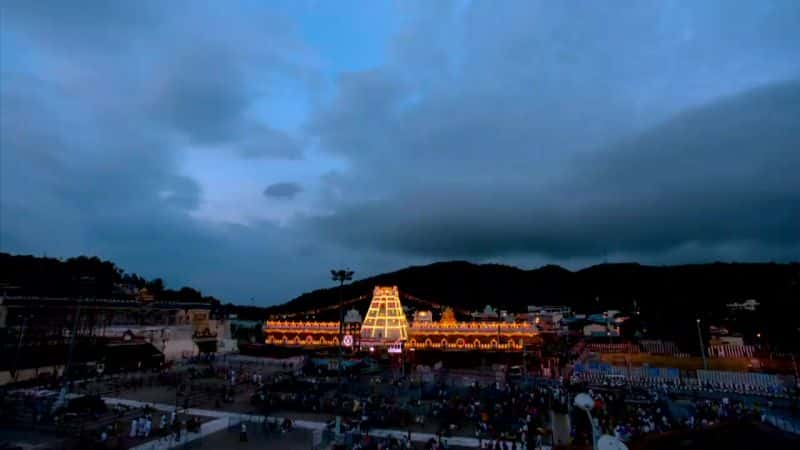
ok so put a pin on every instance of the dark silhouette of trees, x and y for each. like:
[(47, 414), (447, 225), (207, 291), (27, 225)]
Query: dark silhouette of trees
[(82, 277)]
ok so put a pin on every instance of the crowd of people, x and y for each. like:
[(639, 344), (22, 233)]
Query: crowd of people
[(502, 414), (616, 412)]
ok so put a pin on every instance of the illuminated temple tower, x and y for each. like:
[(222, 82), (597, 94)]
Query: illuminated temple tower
[(385, 322)]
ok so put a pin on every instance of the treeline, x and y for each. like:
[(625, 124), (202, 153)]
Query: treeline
[(244, 312), (82, 277)]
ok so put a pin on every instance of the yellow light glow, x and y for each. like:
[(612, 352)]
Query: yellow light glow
[(385, 319)]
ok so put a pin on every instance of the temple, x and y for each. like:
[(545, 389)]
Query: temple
[(385, 326), (385, 322)]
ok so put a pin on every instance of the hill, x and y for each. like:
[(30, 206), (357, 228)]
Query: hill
[(670, 298), (82, 276)]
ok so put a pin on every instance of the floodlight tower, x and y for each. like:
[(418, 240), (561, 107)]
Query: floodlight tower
[(702, 347), (341, 276), (585, 402)]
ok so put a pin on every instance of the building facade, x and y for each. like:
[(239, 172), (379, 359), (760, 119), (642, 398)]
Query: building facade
[(385, 325)]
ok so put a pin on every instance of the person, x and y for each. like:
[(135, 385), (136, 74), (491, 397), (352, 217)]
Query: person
[(103, 436), (148, 426), (134, 428), (163, 423), (243, 433)]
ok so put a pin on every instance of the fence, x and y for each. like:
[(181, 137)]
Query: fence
[(731, 351), (622, 347), (785, 424), (741, 380), (656, 347), (749, 382)]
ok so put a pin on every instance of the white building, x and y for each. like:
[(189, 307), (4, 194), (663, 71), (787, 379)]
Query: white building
[(547, 317), (747, 305)]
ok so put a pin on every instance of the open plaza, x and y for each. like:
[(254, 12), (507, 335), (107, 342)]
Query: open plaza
[(493, 380)]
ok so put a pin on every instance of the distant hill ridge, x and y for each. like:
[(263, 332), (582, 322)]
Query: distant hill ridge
[(699, 287), (670, 298)]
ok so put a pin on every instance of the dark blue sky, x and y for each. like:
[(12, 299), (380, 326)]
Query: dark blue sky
[(245, 148)]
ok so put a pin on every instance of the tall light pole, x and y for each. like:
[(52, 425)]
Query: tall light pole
[(585, 403), (19, 344), (702, 348), (341, 276), (62, 396)]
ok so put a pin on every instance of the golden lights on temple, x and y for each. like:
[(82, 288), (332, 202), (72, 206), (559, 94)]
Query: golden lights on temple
[(386, 325)]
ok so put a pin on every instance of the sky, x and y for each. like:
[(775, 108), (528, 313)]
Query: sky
[(246, 148)]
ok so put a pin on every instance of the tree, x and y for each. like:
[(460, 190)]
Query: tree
[(155, 286), (187, 294)]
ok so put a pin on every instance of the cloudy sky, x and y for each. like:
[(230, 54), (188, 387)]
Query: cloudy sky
[(246, 148)]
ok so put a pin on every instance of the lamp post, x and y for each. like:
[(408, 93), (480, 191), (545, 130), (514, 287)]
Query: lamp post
[(341, 276), (702, 348), (25, 319), (585, 403)]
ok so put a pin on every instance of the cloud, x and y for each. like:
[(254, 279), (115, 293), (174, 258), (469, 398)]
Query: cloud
[(94, 132), (721, 173), (286, 190), (263, 141), (526, 132), (169, 67)]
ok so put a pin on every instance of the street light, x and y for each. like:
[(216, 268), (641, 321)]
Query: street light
[(25, 319), (702, 349), (341, 276), (585, 402), (608, 442)]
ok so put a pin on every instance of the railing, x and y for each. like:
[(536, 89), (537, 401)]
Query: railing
[(473, 326), (273, 325), (787, 425), (463, 346)]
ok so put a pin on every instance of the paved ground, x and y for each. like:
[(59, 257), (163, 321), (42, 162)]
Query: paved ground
[(202, 399), (232, 417), (256, 440), (30, 440), (294, 440)]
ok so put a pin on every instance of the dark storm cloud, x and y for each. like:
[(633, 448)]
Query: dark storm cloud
[(170, 65), (724, 172), (286, 190), (263, 141), (205, 97), (123, 199), (574, 132), (89, 160), (82, 25)]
